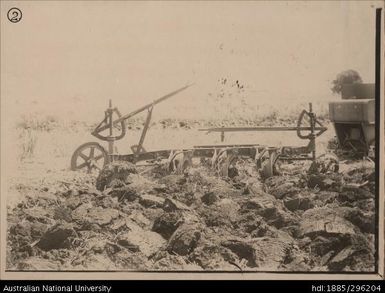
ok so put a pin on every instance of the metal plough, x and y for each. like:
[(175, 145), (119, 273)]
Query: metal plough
[(92, 156)]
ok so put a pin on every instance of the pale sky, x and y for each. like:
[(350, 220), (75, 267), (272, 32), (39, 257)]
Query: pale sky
[(68, 58)]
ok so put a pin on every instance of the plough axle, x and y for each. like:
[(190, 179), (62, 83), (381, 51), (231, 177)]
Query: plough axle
[(222, 157)]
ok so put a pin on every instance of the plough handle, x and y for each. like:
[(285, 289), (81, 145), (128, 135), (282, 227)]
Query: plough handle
[(133, 113)]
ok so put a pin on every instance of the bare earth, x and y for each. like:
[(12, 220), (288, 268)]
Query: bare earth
[(150, 220)]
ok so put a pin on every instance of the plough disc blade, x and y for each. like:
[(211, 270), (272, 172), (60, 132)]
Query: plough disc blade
[(269, 166), (179, 161)]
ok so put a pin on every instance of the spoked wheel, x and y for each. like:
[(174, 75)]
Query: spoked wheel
[(89, 157)]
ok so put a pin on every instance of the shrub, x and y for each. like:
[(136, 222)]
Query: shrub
[(345, 77)]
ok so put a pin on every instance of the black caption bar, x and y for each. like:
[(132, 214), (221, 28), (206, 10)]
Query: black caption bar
[(177, 286)]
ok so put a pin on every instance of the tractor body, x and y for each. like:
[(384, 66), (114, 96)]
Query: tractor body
[(353, 117)]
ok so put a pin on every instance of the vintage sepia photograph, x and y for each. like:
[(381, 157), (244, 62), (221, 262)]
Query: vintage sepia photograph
[(176, 138)]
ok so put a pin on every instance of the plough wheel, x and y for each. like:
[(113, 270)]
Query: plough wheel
[(90, 156)]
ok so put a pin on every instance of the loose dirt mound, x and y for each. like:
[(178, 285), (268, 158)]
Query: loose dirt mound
[(114, 174), (317, 221)]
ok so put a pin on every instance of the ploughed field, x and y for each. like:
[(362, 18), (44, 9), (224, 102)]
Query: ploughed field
[(146, 219)]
